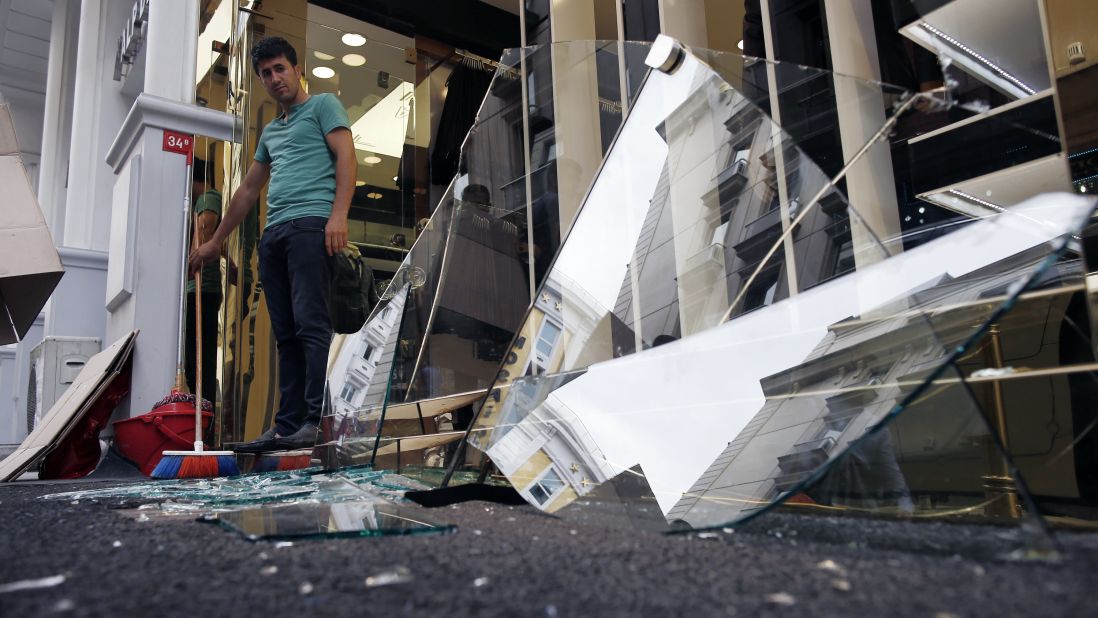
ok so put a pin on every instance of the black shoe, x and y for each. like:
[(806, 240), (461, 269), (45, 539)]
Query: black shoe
[(302, 438), (263, 444)]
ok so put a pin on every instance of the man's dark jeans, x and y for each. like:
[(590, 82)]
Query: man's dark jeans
[(293, 267)]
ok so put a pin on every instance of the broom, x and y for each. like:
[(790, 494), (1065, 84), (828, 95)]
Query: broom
[(198, 463), (282, 462)]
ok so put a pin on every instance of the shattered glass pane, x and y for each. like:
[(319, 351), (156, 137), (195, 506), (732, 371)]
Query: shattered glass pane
[(867, 246), (202, 495), (293, 521), (572, 421), (669, 235), (369, 364), (916, 366), (484, 286), (477, 262), (775, 405)]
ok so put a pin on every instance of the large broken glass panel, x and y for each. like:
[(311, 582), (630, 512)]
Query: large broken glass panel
[(552, 461), (670, 287), (696, 190), (899, 410), (372, 363), (775, 405), (523, 173), (521, 178), (362, 518)]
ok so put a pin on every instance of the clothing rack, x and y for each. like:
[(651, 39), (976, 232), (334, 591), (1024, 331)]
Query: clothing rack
[(474, 61), (366, 245)]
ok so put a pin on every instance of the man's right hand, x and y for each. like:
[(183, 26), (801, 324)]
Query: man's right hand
[(206, 252)]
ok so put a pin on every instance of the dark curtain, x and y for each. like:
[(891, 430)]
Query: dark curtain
[(466, 88)]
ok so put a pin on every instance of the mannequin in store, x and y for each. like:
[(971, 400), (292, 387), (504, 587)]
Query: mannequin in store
[(307, 153)]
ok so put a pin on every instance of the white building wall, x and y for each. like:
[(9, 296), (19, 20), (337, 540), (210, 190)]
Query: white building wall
[(82, 116)]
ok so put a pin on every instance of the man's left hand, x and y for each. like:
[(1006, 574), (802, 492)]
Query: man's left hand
[(335, 234)]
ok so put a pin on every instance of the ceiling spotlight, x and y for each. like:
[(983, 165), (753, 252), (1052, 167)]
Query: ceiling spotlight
[(323, 56), (360, 183), (323, 72), (354, 60), (740, 45), (354, 40), (371, 160), (374, 195)]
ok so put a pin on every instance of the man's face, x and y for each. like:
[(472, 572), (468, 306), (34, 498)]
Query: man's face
[(281, 79)]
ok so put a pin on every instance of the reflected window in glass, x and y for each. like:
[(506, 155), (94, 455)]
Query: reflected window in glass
[(544, 489), (762, 290), (547, 338), (348, 392)]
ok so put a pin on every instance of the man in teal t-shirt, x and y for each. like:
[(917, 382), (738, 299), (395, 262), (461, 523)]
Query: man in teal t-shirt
[(308, 154)]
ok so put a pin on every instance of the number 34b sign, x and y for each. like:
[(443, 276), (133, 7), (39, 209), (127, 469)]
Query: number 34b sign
[(179, 142)]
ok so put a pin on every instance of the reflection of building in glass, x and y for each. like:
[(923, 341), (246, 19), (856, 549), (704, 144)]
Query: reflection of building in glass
[(936, 453), (546, 453), (479, 303), (714, 215), (364, 354), (536, 441), (534, 353)]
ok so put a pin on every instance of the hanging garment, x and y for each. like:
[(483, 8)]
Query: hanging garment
[(466, 88)]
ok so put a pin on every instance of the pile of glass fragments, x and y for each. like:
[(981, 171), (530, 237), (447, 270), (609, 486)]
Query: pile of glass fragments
[(283, 505)]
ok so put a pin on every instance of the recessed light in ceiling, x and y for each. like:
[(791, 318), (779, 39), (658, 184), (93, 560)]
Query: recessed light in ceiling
[(323, 56), (371, 160), (323, 72), (374, 195), (354, 40), (354, 60), (360, 183)]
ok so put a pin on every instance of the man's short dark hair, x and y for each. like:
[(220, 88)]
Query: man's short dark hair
[(272, 47), (477, 194)]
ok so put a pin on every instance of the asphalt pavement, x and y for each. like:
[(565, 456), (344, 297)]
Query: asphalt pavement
[(94, 559)]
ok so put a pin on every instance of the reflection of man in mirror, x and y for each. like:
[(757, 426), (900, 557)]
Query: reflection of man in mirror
[(207, 214), (485, 293), (308, 154), (477, 220), (477, 196)]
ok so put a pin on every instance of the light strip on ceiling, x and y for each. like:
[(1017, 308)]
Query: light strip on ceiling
[(976, 200), (978, 57)]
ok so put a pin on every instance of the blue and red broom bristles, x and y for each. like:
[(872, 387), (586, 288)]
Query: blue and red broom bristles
[(196, 465), (281, 462)]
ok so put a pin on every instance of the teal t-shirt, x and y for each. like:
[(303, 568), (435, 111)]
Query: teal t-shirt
[(302, 167), (210, 201)]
